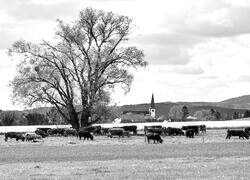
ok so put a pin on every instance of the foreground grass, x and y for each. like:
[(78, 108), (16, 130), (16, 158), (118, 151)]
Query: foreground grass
[(170, 168), (128, 158)]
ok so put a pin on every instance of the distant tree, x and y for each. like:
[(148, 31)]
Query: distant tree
[(10, 118), (203, 115), (207, 115), (7, 118), (185, 113), (236, 115), (36, 119), (215, 114), (246, 114), (176, 113), (55, 118)]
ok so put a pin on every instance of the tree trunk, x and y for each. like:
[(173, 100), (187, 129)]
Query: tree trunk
[(85, 115), (74, 120)]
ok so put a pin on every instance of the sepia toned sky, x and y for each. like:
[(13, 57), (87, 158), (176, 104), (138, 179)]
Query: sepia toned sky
[(198, 50)]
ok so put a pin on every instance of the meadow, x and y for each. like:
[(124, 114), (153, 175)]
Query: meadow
[(205, 157)]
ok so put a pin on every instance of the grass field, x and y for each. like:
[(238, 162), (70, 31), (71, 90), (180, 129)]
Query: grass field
[(127, 158)]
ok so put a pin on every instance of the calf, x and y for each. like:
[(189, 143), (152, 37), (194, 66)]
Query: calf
[(85, 134), (190, 133), (155, 137), (16, 135), (242, 134)]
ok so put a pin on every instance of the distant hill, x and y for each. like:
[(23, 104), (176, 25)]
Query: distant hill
[(242, 102), (162, 109), (226, 107)]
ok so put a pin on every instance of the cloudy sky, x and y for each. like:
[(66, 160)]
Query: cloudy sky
[(198, 50)]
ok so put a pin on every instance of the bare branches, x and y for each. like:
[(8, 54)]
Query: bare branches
[(81, 67)]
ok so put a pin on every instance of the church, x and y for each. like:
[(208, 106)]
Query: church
[(149, 115)]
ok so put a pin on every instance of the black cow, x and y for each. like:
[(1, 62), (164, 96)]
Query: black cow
[(130, 129), (203, 128), (16, 135), (41, 133), (70, 132), (153, 129), (173, 131), (247, 130), (44, 129), (190, 133), (242, 134), (56, 131), (195, 128), (116, 131), (97, 130), (104, 131), (155, 137), (85, 134)]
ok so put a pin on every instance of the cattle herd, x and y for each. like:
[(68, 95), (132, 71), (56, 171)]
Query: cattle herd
[(151, 133)]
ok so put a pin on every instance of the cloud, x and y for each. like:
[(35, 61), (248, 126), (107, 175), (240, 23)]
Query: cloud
[(169, 54), (28, 10), (166, 38), (192, 70), (244, 78), (212, 18), (166, 48)]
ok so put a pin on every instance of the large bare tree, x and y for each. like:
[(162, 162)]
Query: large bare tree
[(77, 72)]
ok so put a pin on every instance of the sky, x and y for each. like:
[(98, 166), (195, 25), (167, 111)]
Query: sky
[(197, 50)]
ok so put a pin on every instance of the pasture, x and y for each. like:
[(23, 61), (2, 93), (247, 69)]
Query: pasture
[(127, 158)]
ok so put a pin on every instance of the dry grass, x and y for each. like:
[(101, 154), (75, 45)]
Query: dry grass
[(127, 158)]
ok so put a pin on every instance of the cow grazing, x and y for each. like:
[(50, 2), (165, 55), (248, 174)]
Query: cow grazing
[(153, 129), (173, 131), (56, 132), (104, 131), (242, 134), (155, 137), (41, 133), (70, 132), (190, 133), (132, 129), (116, 131), (16, 135), (195, 128), (44, 129), (32, 137), (97, 130), (85, 134), (247, 130), (203, 128)]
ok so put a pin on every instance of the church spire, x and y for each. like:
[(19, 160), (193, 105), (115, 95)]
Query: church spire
[(152, 105)]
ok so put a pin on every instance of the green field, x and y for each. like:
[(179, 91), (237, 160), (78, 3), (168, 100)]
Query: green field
[(127, 158)]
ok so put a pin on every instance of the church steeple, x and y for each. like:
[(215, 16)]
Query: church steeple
[(152, 107)]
